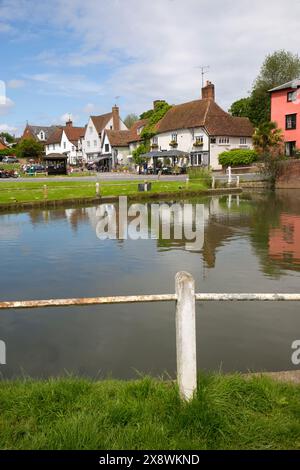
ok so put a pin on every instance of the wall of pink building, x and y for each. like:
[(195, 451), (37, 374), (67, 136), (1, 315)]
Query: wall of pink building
[(279, 108)]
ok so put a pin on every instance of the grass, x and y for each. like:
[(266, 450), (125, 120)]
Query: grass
[(14, 192), (228, 412)]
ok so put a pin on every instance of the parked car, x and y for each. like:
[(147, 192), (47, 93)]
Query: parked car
[(35, 169), (10, 160), (8, 173)]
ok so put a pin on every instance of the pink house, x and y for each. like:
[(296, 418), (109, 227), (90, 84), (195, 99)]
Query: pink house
[(285, 111)]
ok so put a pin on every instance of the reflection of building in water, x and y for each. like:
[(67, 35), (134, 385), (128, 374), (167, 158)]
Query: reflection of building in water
[(284, 242)]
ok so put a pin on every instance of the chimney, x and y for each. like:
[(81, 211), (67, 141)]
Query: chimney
[(116, 118), (208, 91), (69, 123)]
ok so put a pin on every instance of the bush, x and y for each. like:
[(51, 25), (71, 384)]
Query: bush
[(238, 157)]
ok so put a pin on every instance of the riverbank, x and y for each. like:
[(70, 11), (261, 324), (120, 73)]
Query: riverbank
[(29, 195), (229, 412)]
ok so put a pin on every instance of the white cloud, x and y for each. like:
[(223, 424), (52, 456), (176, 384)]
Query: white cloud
[(7, 128), (158, 44), (66, 84), (5, 105), (151, 50), (15, 83)]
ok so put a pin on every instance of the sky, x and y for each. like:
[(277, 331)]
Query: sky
[(75, 58)]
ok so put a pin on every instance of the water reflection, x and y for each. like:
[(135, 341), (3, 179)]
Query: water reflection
[(251, 243)]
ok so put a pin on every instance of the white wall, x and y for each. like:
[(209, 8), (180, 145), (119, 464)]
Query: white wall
[(186, 138), (91, 137), (66, 147), (217, 148)]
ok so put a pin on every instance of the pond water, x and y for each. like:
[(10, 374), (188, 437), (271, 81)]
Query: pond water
[(251, 244)]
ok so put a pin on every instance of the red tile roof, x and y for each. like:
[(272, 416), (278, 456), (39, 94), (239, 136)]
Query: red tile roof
[(204, 113), (134, 136), (118, 138), (73, 134), (101, 121)]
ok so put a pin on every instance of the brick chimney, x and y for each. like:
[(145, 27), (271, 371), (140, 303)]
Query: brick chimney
[(69, 123), (208, 91), (116, 118)]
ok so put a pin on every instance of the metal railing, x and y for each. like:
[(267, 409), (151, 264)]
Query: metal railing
[(185, 298)]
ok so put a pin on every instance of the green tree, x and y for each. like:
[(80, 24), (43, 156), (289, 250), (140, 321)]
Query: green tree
[(136, 154), (130, 120), (278, 68), (240, 108), (266, 137), (29, 148), (8, 137)]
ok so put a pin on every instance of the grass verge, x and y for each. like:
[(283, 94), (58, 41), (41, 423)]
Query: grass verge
[(14, 192), (228, 412)]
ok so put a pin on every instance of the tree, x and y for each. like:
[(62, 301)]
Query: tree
[(8, 137), (29, 148), (130, 120), (136, 154), (240, 108), (267, 137), (278, 68)]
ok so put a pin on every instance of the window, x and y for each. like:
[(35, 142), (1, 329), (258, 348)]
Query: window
[(174, 137), (106, 148), (154, 140), (53, 146), (95, 143), (88, 143), (199, 139), (42, 135), (139, 130), (73, 148), (91, 129), (290, 121), (292, 96), (243, 140), (223, 140), (65, 145), (213, 140)]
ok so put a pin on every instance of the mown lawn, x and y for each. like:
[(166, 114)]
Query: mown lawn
[(229, 412), (11, 192)]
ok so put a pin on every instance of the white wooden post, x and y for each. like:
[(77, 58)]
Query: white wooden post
[(186, 335), (213, 183), (237, 181), (187, 180), (229, 175), (97, 189), (45, 192)]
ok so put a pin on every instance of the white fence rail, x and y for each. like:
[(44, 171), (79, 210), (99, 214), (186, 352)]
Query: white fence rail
[(185, 298)]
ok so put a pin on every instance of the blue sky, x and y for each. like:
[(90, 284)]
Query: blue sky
[(71, 57)]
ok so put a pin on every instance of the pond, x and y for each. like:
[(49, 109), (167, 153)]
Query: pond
[(251, 244)]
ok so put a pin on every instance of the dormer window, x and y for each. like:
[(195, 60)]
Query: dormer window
[(42, 135), (174, 137), (139, 130)]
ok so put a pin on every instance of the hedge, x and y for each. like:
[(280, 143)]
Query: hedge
[(238, 157)]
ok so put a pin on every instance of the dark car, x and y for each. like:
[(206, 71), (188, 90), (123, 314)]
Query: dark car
[(36, 169), (10, 160)]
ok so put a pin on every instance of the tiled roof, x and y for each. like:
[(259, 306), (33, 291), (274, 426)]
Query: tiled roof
[(123, 138), (204, 113), (72, 133), (35, 130), (134, 136), (101, 121), (118, 138)]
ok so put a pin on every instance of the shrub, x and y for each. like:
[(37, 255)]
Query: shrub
[(238, 157)]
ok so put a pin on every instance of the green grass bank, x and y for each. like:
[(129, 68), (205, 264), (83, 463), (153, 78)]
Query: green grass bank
[(228, 412)]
